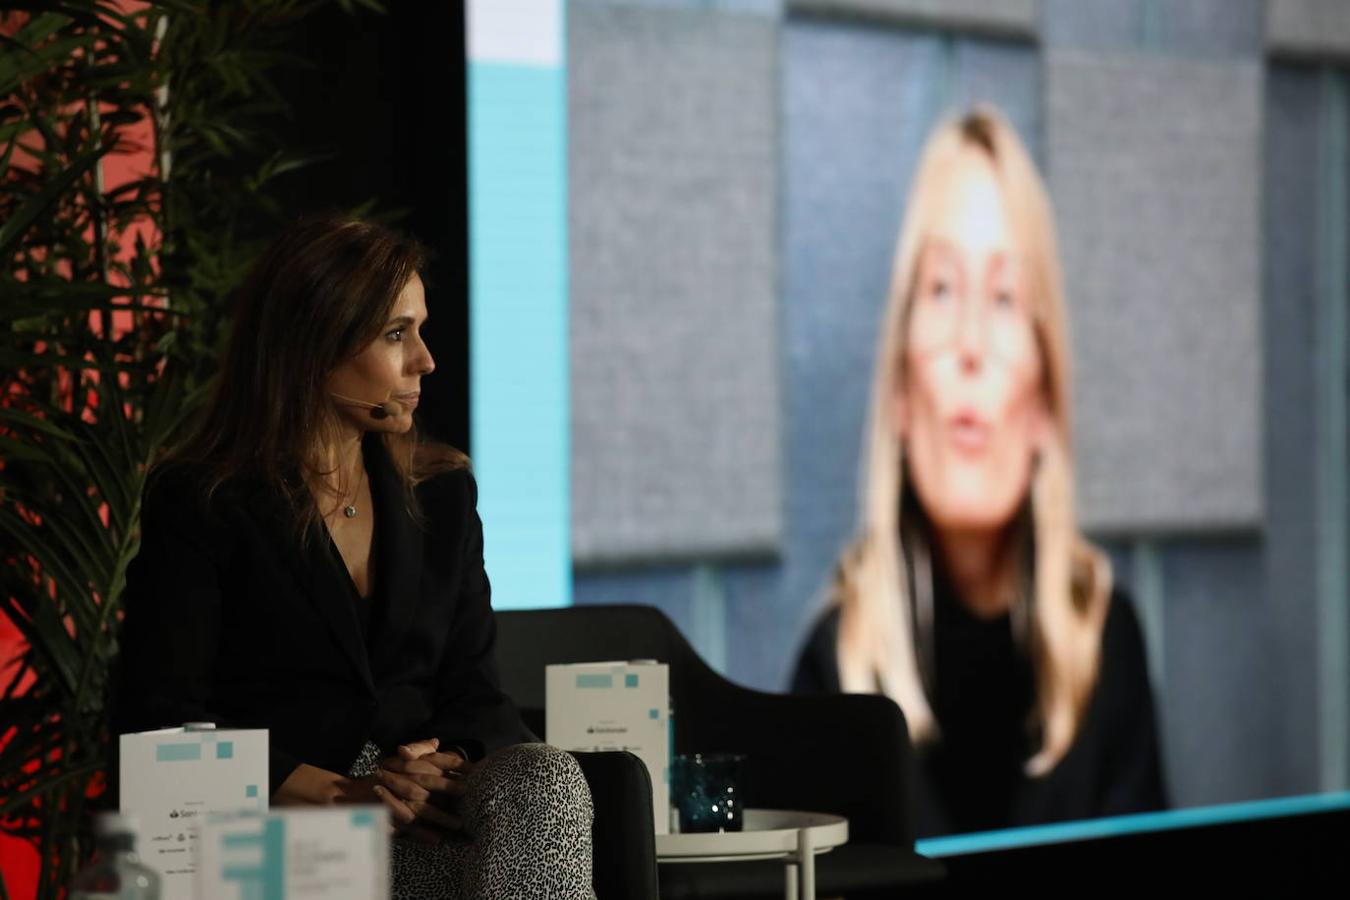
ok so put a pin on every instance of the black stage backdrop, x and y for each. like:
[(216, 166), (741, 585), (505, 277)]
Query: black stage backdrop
[(384, 95)]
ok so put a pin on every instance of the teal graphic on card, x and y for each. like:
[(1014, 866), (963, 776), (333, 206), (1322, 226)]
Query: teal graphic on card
[(178, 752), (260, 861), (595, 681)]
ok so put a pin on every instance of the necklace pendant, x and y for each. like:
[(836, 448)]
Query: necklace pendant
[(349, 511)]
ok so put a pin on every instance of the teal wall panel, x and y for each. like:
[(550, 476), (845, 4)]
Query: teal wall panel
[(518, 320)]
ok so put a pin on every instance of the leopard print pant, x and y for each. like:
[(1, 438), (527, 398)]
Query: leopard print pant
[(527, 813)]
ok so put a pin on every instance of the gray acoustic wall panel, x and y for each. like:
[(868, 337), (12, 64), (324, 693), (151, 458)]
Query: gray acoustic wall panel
[(1091, 24), (1011, 18), (1191, 28), (1208, 28), (761, 7), (1155, 168), (1293, 116), (1309, 28), (673, 171), (1220, 715)]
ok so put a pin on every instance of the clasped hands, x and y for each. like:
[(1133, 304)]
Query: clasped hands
[(418, 785)]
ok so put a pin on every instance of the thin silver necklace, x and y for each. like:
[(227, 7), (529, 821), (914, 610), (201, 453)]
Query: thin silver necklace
[(350, 509)]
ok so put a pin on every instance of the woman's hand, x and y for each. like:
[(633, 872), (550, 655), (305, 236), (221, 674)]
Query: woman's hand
[(407, 802), (310, 785), (423, 758), (419, 786)]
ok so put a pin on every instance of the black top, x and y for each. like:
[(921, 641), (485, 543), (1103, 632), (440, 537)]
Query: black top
[(367, 608), (231, 618), (972, 777)]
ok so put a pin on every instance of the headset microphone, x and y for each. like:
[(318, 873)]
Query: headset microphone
[(378, 411)]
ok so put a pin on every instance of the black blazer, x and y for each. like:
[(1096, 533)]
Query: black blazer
[(1113, 767), (231, 618)]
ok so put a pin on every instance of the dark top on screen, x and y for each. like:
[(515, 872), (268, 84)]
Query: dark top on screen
[(972, 778), (231, 618)]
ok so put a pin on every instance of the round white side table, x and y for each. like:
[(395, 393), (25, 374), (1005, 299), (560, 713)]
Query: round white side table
[(795, 837)]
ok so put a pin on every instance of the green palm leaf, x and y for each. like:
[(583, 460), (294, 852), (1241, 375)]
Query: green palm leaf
[(13, 228), (83, 415)]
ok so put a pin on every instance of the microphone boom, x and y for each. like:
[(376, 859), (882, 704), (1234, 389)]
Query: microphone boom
[(378, 411)]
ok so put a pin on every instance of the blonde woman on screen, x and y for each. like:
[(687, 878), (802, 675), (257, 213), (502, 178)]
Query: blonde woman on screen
[(969, 595)]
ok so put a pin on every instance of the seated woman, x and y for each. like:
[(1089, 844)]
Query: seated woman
[(969, 595), (310, 566)]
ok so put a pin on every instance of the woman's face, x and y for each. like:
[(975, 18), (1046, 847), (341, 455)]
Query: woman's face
[(970, 406), (389, 368)]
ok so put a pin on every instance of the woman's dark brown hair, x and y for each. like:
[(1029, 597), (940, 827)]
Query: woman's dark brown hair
[(316, 297)]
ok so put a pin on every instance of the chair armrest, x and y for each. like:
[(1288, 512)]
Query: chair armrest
[(623, 836), (847, 754)]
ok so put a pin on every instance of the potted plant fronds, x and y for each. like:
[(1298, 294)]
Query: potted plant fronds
[(136, 175)]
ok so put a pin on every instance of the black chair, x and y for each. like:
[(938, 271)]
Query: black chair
[(846, 754), (622, 844)]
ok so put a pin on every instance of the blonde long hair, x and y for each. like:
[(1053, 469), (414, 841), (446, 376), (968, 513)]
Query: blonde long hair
[(1071, 580)]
